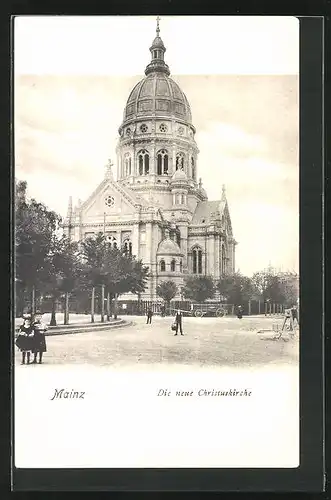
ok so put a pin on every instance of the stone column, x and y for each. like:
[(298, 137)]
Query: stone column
[(217, 257), (135, 239), (173, 163), (184, 243), (210, 255)]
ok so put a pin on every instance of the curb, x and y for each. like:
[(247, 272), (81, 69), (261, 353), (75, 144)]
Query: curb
[(87, 328), (72, 329)]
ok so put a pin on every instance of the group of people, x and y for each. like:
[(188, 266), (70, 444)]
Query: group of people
[(177, 324), (31, 338)]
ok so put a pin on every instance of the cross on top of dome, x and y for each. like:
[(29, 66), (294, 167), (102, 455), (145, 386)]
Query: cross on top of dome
[(157, 50)]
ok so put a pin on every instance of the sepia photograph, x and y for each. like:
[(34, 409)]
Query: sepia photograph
[(157, 310)]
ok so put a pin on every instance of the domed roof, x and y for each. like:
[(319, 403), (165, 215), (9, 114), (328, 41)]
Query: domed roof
[(160, 95), (157, 43), (168, 247), (179, 175)]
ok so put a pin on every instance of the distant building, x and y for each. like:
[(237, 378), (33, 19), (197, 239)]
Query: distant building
[(157, 209)]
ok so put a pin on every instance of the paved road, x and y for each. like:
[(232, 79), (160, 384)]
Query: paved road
[(207, 342)]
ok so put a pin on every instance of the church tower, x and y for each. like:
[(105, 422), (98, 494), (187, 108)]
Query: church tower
[(157, 136)]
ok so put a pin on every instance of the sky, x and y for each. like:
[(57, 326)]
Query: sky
[(240, 74)]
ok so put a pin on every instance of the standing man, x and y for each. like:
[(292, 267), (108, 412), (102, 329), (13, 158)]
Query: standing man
[(149, 316), (179, 322)]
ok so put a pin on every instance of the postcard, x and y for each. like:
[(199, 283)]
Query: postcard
[(157, 305)]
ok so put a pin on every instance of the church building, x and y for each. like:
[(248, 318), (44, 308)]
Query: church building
[(157, 208)]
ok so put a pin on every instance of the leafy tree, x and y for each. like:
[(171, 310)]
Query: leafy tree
[(93, 253), (236, 288), (167, 291), (112, 268), (61, 273), (35, 227), (289, 284), (268, 285), (198, 288), (123, 274)]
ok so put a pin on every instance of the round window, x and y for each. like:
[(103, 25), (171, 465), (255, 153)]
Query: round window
[(163, 127), (181, 130), (109, 201), (143, 128)]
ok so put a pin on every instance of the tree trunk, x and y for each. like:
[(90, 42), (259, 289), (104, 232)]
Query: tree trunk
[(273, 308), (108, 306), (102, 303), (92, 305), (249, 308), (66, 309), (53, 315), (33, 302), (259, 307), (115, 306), (265, 308), (232, 310)]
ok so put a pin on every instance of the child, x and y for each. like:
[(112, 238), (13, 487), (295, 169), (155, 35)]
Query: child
[(24, 340), (39, 340)]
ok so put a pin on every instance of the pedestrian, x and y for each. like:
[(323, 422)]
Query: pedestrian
[(179, 322), (24, 340), (162, 310), (149, 316), (294, 313), (239, 312), (39, 340)]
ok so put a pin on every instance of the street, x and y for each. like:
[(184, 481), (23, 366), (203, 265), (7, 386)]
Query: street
[(207, 342)]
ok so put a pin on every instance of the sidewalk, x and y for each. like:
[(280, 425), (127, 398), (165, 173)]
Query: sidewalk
[(74, 319), (77, 323)]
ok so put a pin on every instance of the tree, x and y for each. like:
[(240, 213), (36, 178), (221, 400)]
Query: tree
[(199, 288), (167, 291), (112, 268), (61, 273), (236, 288), (268, 285), (123, 274), (35, 227), (94, 257), (289, 283)]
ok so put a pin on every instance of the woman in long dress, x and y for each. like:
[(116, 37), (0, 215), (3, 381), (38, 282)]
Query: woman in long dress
[(39, 340), (25, 339)]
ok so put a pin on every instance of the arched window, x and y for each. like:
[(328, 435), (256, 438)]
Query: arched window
[(192, 168), (173, 266), (143, 162), (162, 162), (181, 266), (162, 266), (197, 260), (127, 248), (155, 54), (180, 161), (112, 241), (127, 164)]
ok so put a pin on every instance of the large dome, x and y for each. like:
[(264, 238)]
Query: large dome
[(158, 95)]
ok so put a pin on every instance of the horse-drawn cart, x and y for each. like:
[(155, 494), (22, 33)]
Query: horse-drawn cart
[(200, 310)]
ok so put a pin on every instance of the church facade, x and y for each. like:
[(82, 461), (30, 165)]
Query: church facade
[(157, 208)]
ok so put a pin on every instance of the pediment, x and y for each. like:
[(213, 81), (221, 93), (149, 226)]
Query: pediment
[(109, 199)]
